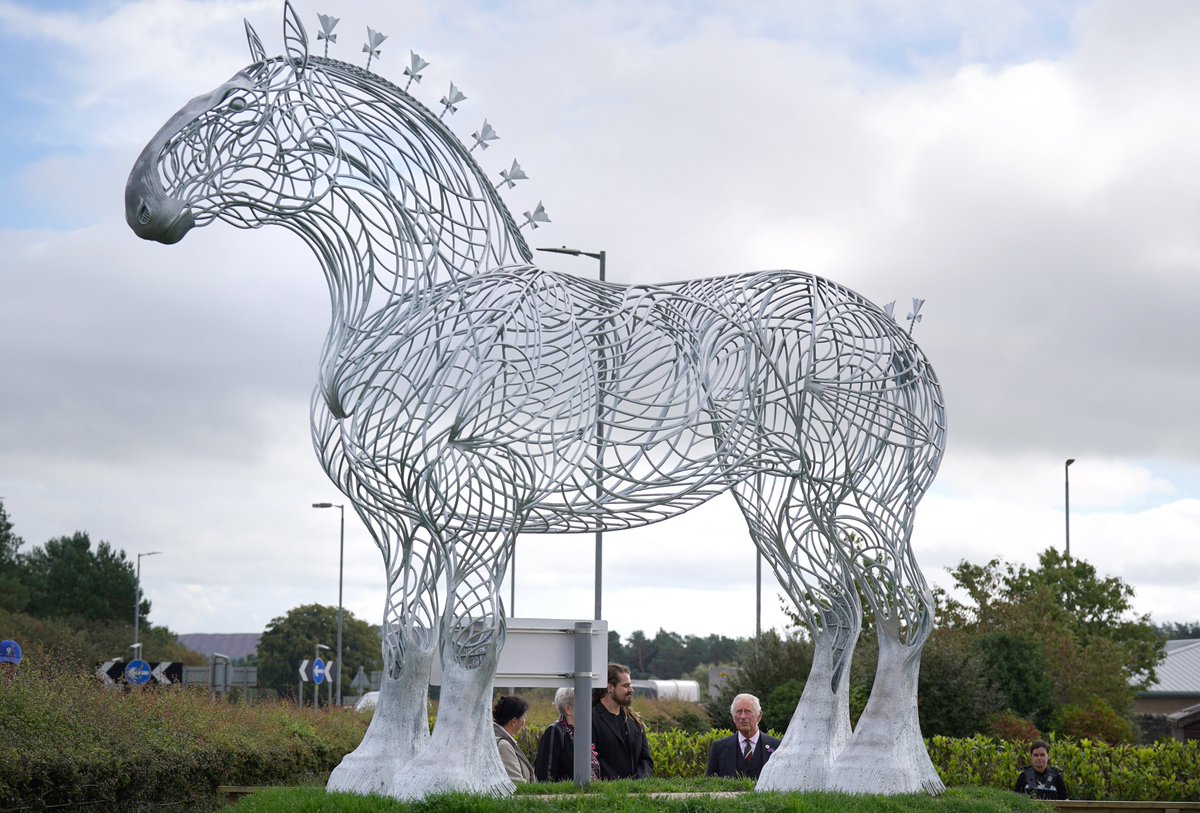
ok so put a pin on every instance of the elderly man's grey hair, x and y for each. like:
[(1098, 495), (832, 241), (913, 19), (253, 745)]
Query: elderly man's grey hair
[(744, 696), (564, 699)]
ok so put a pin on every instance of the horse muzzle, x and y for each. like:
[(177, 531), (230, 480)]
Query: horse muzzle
[(151, 214), (148, 210)]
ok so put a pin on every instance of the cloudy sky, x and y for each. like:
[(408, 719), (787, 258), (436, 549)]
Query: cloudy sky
[(1032, 170)]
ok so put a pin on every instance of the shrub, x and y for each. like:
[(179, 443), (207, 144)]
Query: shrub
[(69, 740), (777, 663), (1165, 771), (674, 714), (1008, 725), (1096, 721)]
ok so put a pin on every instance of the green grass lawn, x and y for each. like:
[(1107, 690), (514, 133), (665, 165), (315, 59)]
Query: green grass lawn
[(635, 797)]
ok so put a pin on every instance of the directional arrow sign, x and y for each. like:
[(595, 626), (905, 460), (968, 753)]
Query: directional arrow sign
[(331, 670), (159, 672), (102, 673), (318, 671), (137, 672), (304, 673)]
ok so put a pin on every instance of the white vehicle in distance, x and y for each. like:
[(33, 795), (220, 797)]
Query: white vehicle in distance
[(367, 702)]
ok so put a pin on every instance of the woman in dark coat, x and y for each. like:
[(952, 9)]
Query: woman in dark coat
[(555, 760)]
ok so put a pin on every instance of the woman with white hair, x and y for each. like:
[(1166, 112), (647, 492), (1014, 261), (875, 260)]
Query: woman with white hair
[(556, 750)]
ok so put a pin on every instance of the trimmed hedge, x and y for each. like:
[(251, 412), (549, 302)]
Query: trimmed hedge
[(1165, 771), (67, 740)]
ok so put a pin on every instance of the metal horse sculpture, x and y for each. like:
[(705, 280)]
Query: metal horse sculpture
[(466, 395)]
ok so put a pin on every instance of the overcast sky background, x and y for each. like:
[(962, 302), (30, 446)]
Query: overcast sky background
[(1031, 169)]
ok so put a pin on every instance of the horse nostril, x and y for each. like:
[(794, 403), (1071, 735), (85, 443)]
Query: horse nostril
[(143, 215)]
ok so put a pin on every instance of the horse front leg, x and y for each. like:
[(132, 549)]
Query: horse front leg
[(811, 569), (820, 726), (462, 754), (399, 728)]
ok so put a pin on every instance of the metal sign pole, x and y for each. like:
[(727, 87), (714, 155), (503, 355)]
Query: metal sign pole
[(583, 704)]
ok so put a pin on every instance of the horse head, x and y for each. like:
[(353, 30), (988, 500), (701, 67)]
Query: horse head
[(252, 151)]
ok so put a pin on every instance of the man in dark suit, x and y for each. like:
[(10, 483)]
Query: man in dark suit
[(745, 753)]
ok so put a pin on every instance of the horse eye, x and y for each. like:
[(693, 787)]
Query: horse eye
[(237, 103)]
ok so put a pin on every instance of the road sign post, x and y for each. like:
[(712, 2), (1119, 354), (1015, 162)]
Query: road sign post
[(318, 680), (304, 675)]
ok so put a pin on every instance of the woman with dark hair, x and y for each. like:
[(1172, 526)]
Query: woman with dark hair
[(508, 717), (556, 750)]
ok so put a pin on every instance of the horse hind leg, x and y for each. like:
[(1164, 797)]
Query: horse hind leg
[(812, 575), (887, 753), (399, 728), (820, 726)]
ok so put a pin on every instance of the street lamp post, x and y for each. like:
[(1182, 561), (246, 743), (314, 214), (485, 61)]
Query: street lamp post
[(341, 561), (757, 598), (600, 256), (1067, 500), (137, 602)]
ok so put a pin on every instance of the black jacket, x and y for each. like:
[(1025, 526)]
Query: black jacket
[(724, 758), (555, 755), (1048, 785), (621, 745)]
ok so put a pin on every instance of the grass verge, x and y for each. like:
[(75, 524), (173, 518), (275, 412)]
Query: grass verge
[(635, 797)]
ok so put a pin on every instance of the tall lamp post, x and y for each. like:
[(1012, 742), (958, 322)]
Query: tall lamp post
[(341, 561), (1067, 499), (599, 256), (137, 602)]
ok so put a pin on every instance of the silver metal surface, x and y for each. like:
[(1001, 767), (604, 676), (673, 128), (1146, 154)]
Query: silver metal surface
[(465, 395)]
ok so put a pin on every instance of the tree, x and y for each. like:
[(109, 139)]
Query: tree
[(954, 693), (715, 649), (670, 656), (1178, 631), (67, 579), (291, 638), (82, 643), (641, 655), (1097, 609), (775, 673), (13, 593), (617, 652), (1019, 672), (1055, 636)]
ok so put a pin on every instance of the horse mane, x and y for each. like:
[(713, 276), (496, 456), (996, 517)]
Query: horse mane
[(422, 195)]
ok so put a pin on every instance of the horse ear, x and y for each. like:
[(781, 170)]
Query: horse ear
[(295, 38), (257, 52)]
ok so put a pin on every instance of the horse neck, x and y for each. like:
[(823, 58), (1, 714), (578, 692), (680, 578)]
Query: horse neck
[(410, 208)]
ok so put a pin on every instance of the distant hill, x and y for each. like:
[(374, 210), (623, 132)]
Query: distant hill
[(236, 645)]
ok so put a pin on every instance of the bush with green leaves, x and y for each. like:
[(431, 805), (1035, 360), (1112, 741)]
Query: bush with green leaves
[(68, 740), (1165, 771)]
